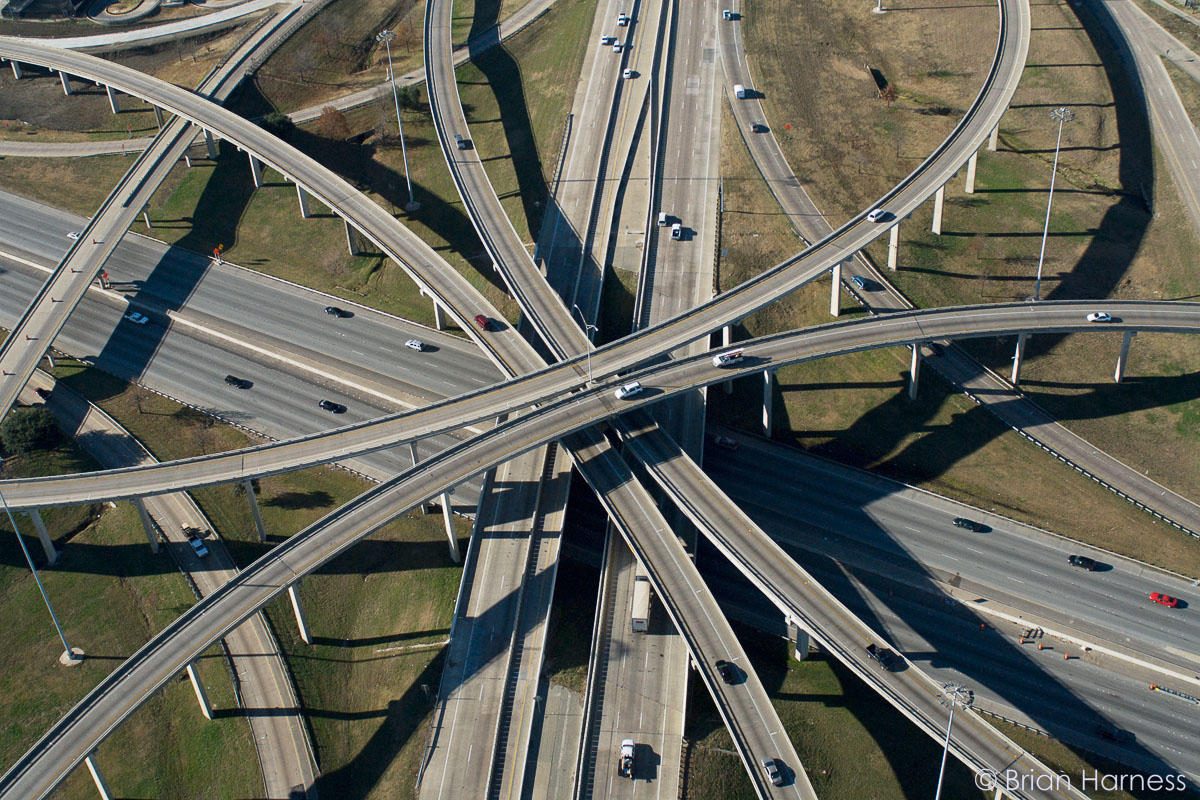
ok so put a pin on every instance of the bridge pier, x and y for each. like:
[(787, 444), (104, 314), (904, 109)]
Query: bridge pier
[(50, 359), (258, 523), (448, 517), (256, 172), (303, 198), (352, 241), (158, 117), (146, 216), (201, 693), (147, 523), (35, 516), (939, 199), (112, 99), (1119, 373), (210, 145), (1017, 356), (914, 372), (893, 245), (970, 188), (16, 69), (98, 776), (66, 82), (835, 291), (799, 639), (993, 139), (768, 411), (726, 340), (298, 610), (439, 317)]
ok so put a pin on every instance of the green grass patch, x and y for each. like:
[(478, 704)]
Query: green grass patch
[(111, 595)]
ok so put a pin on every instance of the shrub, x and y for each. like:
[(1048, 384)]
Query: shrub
[(27, 429)]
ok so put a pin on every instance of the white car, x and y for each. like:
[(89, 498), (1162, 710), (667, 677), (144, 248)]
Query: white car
[(628, 390), (136, 318), (616, 47), (605, 41), (876, 215), (622, 19), (415, 344), (1099, 316), (73, 235), (627, 74)]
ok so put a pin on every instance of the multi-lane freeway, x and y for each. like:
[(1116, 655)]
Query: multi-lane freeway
[(569, 416)]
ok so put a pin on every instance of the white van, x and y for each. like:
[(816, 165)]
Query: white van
[(662, 219), (677, 231), (727, 358), (739, 91), (628, 390)]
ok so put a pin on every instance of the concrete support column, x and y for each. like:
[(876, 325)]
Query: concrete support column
[(439, 317), (1020, 352), (98, 777), (146, 216), (799, 639), (210, 144), (66, 82), (112, 99), (893, 245), (412, 451), (768, 411), (158, 117), (147, 523), (970, 187), (835, 291), (914, 372), (939, 199), (35, 517), (258, 523), (50, 359), (994, 138), (256, 173), (201, 694), (1119, 373), (16, 69), (352, 241), (303, 198), (726, 340), (301, 622), (448, 517)]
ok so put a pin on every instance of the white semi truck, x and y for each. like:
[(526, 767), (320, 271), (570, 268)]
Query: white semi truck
[(641, 600)]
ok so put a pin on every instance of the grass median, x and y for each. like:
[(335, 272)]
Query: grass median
[(110, 595)]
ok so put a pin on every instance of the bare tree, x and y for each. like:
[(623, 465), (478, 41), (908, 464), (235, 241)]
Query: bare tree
[(332, 124)]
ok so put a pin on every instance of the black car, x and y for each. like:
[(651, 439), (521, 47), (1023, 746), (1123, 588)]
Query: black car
[(729, 673), (329, 405), (240, 383), (334, 311), (882, 656), (969, 524), (758, 127), (1113, 733), (1082, 561)]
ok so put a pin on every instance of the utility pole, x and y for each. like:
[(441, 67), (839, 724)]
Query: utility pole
[(589, 329), (69, 656), (956, 695), (1062, 115), (386, 37)]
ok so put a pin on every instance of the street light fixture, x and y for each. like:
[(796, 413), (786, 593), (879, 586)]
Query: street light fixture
[(955, 695), (69, 656), (1062, 115), (589, 329), (386, 37)]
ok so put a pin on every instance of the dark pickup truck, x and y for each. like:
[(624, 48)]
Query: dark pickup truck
[(882, 656)]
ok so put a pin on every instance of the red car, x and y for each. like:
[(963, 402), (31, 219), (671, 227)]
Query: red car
[(483, 322), (1164, 599)]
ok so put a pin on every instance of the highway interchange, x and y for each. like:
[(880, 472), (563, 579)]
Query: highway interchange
[(587, 405)]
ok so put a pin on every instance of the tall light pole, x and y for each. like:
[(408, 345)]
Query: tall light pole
[(386, 37), (589, 329), (69, 656), (1062, 115), (956, 695)]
